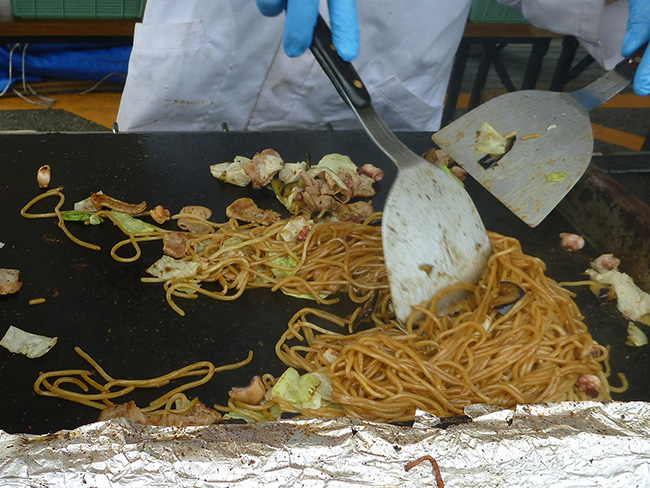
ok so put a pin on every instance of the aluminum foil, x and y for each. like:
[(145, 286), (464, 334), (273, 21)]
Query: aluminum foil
[(568, 444)]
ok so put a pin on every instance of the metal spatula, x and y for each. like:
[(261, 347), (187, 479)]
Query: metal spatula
[(432, 234), (553, 145)]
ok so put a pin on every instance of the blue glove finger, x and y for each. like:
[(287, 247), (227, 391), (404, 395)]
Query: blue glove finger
[(638, 26), (271, 8), (642, 77), (299, 26), (638, 33), (345, 28)]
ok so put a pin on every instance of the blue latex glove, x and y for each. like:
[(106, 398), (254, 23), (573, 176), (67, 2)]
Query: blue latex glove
[(638, 33), (301, 20)]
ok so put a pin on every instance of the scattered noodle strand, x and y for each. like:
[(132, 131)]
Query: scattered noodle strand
[(101, 396)]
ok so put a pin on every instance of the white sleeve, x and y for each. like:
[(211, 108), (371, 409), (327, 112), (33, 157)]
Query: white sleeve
[(599, 25)]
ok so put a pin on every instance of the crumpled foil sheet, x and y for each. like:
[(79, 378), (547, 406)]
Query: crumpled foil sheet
[(561, 445)]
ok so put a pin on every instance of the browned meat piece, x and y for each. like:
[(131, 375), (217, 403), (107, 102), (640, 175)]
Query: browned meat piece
[(253, 394), (160, 214), (351, 180), (438, 157), (372, 171), (325, 184), (100, 201), (458, 171), (247, 210), (606, 262), (190, 224), (352, 212), (318, 203), (364, 189), (9, 281), (199, 415), (590, 384), (263, 167), (572, 242), (314, 187), (176, 244), (129, 411)]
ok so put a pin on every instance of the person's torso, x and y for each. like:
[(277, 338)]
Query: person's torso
[(199, 63)]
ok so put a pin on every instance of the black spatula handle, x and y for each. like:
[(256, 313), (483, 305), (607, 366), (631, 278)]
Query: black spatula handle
[(345, 78), (628, 66)]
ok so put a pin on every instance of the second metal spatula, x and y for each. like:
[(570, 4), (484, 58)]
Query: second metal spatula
[(553, 144), (432, 234)]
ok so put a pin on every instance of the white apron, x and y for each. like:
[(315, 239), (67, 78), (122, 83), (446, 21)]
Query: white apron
[(197, 64)]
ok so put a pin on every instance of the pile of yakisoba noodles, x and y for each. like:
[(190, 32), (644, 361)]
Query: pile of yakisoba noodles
[(535, 351), (334, 257)]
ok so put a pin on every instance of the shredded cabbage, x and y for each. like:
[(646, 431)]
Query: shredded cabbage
[(307, 391), (167, 267), (232, 172), (635, 336), (335, 162), (76, 216), (555, 176), (31, 345), (489, 141), (284, 262), (131, 224)]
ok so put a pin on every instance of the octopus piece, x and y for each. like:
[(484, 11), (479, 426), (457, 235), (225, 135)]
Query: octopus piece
[(177, 244), (302, 235), (263, 167), (100, 201), (247, 210), (9, 281), (160, 214), (372, 171), (43, 176), (253, 394), (589, 384), (605, 262), (571, 242), (193, 225)]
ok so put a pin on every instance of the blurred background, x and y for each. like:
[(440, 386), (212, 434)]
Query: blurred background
[(63, 65)]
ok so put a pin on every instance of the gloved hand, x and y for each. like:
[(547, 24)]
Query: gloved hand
[(301, 20), (638, 33)]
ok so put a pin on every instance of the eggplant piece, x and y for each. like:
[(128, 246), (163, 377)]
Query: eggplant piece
[(509, 294)]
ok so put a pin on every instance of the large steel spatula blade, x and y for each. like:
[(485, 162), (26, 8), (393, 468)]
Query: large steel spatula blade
[(432, 235), (553, 146)]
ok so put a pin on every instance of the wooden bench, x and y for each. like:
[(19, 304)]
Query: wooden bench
[(61, 30), (492, 38)]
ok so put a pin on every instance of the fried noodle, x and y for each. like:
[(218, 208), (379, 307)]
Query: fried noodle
[(534, 353)]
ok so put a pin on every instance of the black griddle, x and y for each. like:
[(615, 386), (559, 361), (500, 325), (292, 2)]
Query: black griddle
[(101, 306)]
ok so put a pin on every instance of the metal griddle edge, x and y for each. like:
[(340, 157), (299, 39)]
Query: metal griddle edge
[(101, 306)]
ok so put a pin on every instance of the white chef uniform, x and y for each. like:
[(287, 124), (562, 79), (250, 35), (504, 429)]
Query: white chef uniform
[(199, 63)]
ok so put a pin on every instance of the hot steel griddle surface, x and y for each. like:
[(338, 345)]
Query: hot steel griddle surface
[(101, 306)]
